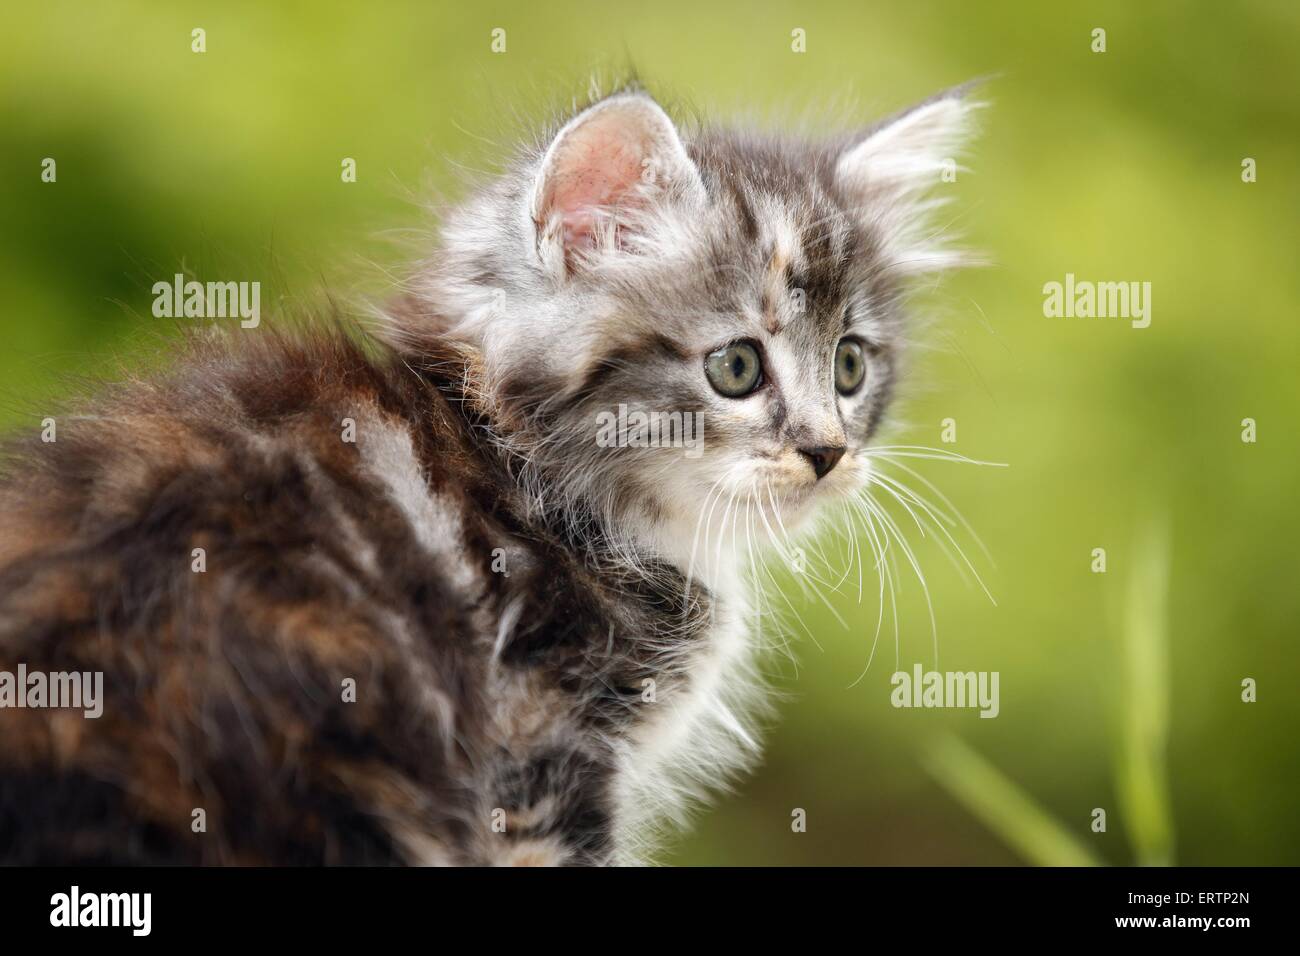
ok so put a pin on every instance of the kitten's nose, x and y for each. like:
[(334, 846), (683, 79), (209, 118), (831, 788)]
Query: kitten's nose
[(823, 457)]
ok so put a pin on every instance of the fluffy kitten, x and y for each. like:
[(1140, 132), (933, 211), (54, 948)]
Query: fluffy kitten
[(548, 640)]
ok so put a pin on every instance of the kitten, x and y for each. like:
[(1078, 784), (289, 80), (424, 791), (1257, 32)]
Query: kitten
[(391, 601)]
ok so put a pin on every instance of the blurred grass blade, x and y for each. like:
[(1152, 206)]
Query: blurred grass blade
[(1005, 808), (1142, 778)]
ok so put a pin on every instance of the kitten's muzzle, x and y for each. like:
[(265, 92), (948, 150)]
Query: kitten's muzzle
[(823, 457)]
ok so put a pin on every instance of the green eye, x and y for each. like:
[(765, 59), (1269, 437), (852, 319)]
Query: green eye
[(735, 370), (850, 366)]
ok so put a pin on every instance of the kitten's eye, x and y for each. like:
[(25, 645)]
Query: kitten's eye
[(850, 366), (736, 370)]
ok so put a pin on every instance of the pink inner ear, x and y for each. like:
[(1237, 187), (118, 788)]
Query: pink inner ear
[(596, 167)]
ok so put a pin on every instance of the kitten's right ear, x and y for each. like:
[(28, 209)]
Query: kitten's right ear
[(890, 175), (606, 163)]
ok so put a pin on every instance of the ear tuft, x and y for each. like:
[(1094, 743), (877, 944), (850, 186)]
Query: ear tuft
[(613, 158), (889, 175)]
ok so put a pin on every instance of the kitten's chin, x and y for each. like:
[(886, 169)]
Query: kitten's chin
[(709, 525), (802, 495), (799, 507)]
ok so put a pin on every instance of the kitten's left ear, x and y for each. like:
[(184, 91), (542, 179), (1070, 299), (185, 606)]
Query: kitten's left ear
[(889, 177), (609, 162)]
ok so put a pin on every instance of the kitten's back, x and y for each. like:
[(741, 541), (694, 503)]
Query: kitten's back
[(231, 546)]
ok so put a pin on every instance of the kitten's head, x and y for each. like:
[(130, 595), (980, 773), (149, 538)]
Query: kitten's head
[(669, 327)]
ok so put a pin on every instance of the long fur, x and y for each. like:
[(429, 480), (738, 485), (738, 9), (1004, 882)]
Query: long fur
[(553, 644)]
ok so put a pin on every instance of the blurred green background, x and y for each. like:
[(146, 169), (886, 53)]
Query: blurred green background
[(1117, 166)]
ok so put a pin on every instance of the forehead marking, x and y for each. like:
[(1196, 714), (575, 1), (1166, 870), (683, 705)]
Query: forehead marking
[(774, 291), (785, 252)]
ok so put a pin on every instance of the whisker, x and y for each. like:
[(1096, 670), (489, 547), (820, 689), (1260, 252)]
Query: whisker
[(947, 534), (891, 528), (966, 525)]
